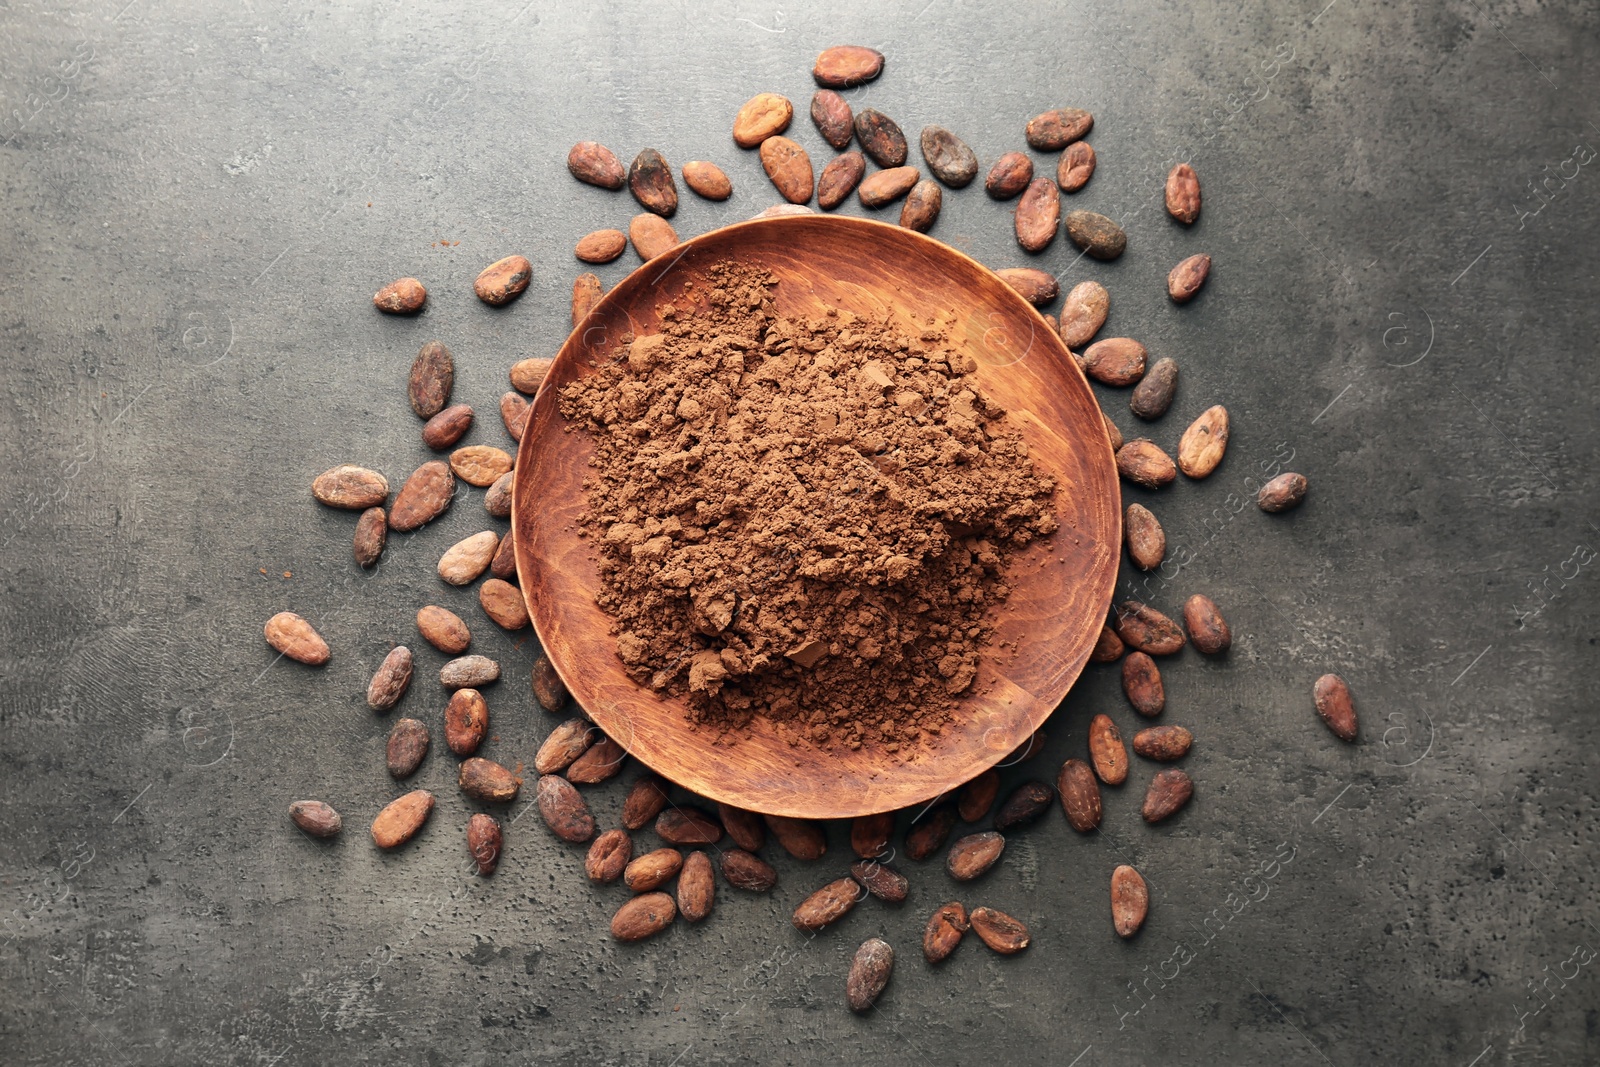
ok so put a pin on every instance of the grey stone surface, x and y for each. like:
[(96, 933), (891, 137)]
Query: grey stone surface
[(200, 199)]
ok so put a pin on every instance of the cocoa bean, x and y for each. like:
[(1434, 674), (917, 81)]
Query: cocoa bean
[(528, 374), (443, 630), (777, 210), (833, 117), (1080, 795), (870, 834), (707, 180), (1284, 492), (350, 487), (608, 857), (504, 564), (789, 167), (881, 138), (1183, 194), (869, 974), (1147, 541), (1038, 215), (652, 236), (886, 186), (761, 117), (466, 721), (408, 744), (484, 838), (1113, 433), (502, 602), (488, 781), (566, 743), (467, 559), (746, 871), (1115, 361), (744, 828), (839, 179), (1143, 463), (315, 818), (846, 65), (1083, 313), (1025, 751), (595, 164), (1141, 681), (650, 180), (1130, 900), (600, 763), (652, 870), (697, 887), (424, 497), (1095, 234), (977, 796), (644, 916), (1169, 791), (433, 376), (1054, 130), (999, 931), (403, 296), (400, 821), (601, 246), (929, 834), (1204, 442), (1146, 629), (1106, 751), (1036, 286), (296, 638), (372, 533), (921, 208), (800, 838), (503, 280), (480, 465), (943, 932), (881, 880), (1163, 743), (587, 291), (973, 855), (469, 672), (1208, 630), (687, 826), (1076, 167), (1336, 706), (1185, 280), (948, 156), (827, 905), (1108, 648), (1010, 175), (447, 427), (391, 680), (549, 690), (1026, 803), (645, 800), (563, 809), (1153, 395)]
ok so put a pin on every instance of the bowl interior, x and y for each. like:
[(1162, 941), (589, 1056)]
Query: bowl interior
[(1061, 585)]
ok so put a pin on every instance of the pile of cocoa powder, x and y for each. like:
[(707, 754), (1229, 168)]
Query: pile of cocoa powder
[(808, 521)]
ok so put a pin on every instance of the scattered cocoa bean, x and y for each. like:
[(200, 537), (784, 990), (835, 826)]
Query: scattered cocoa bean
[(464, 561), (497, 502), (744, 870), (777, 210), (869, 973), (1076, 167), (652, 236), (645, 800), (433, 376), (391, 680), (1115, 361), (800, 838), (608, 857), (943, 932), (999, 931), (1036, 286), (881, 880), (1106, 751), (549, 690), (469, 671), (1204, 442), (503, 603), (528, 374), (1095, 234), (466, 721), (707, 180), (484, 837), (847, 65), (1143, 463), (587, 291), (595, 164), (315, 818), (601, 246), (296, 638), (443, 630), (886, 186), (1208, 630), (1025, 805), (921, 208), (1147, 541), (403, 296), (973, 855), (881, 138), (372, 533), (687, 826), (566, 743), (929, 834), (563, 809), (1108, 648), (650, 180), (480, 465), (697, 887), (408, 744), (487, 780), (948, 156), (839, 179), (1083, 313), (1185, 280), (1141, 681), (977, 796), (1183, 194), (400, 821), (827, 905), (1169, 791), (424, 497), (652, 870), (833, 118), (789, 167), (1336, 706), (870, 834), (1054, 130), (761, 117), (503, 280), (1010, 175), (1284, 492), (1163, 743), (350, 487), (1038, 215), (601, 762), (447, 427), (1154, 393), (644, 916), (1080, 795), (1130, 900), (1146, 629)]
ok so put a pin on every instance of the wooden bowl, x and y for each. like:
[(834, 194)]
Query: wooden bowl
[(1062, 585)]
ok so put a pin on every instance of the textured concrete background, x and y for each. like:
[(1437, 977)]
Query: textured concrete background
[(199, 201)]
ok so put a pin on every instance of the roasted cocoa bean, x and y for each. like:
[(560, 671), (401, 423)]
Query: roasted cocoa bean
[(744, 828), (977, 796), (469, 671), (566, 743), (929, 834), (1010, 175), (833, 117), (1154, 393), (487, 780), (408, 744), (999, 931), (296, 638), (886, 186), (1336, 706), (484, 838), (1208, 630), (948, 156), (646, 799), (350, 487), (921, 208), (847, 65), (789, 167), (1054, 130), (687, 826), (447, 427), (1169, 791), (608, 857), (839, 179), (403, 296), (827, 905), (943, 932), (1108, 648), (587, 291), (973, 855), (503, 280), (881, 880), (1036, 286), (1284, 492), (433, 376), (549, 690), (563, 809), (1083, 313), (372, 533), (391, 680), (1095, 234), (1146, 629), (697, 887), (881, 138), (1141, 681), (1026, 803), (1080, 795), (1204, 442), (1038, 215), (315, 818), (869, 974), (1076, 166), (1163, 743), (707, 180), (503, 603), (497, 501), (1147, 541), (1183, 194), (761, 117), (600, 763), (1106, 751), (652, 236), (400, 821), (443, 630), (1130, 900), (424, 497), (744, 870), (1113, 433), (528, 374), (800, 838), (601, 246), (480, 465), (466, 721), (1185, 280), (870, 834), (594, 163), (1115, 361), (652, 870), (467, 559), (644, 916), (1143, 463)]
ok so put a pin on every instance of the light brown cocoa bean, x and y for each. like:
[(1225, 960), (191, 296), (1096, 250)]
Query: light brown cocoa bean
[(391, 680), (443, 630), (502, 602), (480, 465), (789, 167), (1037, 287), (646, 799), (846, 65), (869, 974), (400, 821), (467, 559), (1141, 682), (1076, 166), (1154, 393), (315, 818), (595, 164), (1010, 175), (948, 156), (1001, 932), (528, 374), (484, 839), (497, 501), (350, 487), (744, 870), (466, 721), (761, 117), (687, 826), (1083, 313), (707, 180), (1143, 463), (433, 376), (777, 210), (549, 690), (1208, 630), (503, 280), (839, 179), (1038, 215), (408, 744), (1169, 791), (1115, 361), (697, 887), (587, 291), (1284, 492), (881, 880), (800, 838), (1080, 795), (1183, 194), (563, 809), (978, 796), (372, 533), (650, 180), (1108, 648), (652, 870), (601, 246), (827, 905), (881, 138), (833, 118), (1107, 752), (1054, 130), (1147, 541), (1095, 234), (1204, 442), (608, 857), (403, 296), (921, 209), (943, 932), (886, 186), (644, 916), (870, 834), (972, 856), (566, 743), (1336, 706), (1186, 279), (296, 638), (469, 672), (601, 762), (928, 834), (652, 236), (424, 497), (1163, 743), (1130, 900), (487, 780), (447, 427), (744, 828), (1146, 629)]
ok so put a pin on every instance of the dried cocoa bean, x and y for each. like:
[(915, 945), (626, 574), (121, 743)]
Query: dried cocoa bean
[(502, 602), (1083, 313), (488, 781), (833, 117), (652, 236), (697, 887), (466, 721), (467, 559), (549, 690), (650, 180), (1147, 541), (391, 680), (504, 564), (800, 838), (566, 743), (1146, 629), (424, 497), (1107, 752), (503, 280), (1208, 630), (1183, 194), (1113, 433), (687, 826), (744, 828), (929, 834), (350, 487), (587, 291), (443, 630), (1143, 463), (315, 818), (1080, 795), (1115, 361), (707, 180), (881, 138), (869, 974), (400, 821), (480, 465), (1185, 280), (1163, 743), (1054, 130), (847, 65), (948, 156), (839, 179), (408, 744), (1026, 803), (447, 427), (497, 501), (1130, 900), (1169, 791), (1284, 492), (608, 857), (1038, 215), (999, 931), (943, 932), (594, 163), (563, 809), (870, 834), (886, 186), (777, 210), (1036, 286), (973, 855), (469, 671), (746, 871), (403, 296), (1336, 706), (296, 638), (881, 880), (1141, 681), (761, 117), (977, 796), (528, 374), (600, 763), (789, 167), (827, 905), (601, 246), (433, 376), (1076, 167), (646, 799), (372, 533), (921, 208), (1010, 175), (1108, 648), (484, 838), (1095, 234), (1204, 442), (1154, 393), (644, 916), (652, 870)]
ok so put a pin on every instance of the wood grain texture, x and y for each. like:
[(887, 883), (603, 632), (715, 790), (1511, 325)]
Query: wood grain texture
[(1062, 586)]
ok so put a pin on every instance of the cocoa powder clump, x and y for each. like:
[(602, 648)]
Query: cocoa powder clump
[(808, 521)]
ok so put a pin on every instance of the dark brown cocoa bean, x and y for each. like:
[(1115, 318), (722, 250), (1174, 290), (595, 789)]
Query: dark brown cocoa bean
[(1153, 395), (408, 744), (549, 690), (488, 781), (977, 796), (563, 809), (650, 180), (504, 564), (1108, 648), (833, 117), (1169, 791), (1010, 175), (847, 65), (466, 721), (503, 280), (869, 974), (594, 163), (973, 855), (1284, 492), (1208, 630), (1026, 803), (315, 818), (1183, 194), (391, 680), (447, 427), (886, 186), (372, 533), (484, 838), (744, 870), (948, 156), (433, 376), (1146, 629), (827, 905), (929, 833), (1163, 743), (687, 826), (1186, 279), (1143, 463), (1141, 681), (443, 630), (1038, 215), (943, 932), (1095, 234), (762, 116), (497, 501), (646, 799), (839, 179), (1076, 166), (1080, 795), (400, 821), (424, 497), (800, 838), (608, 857), (881, 138), (870, 834), (744, 828), (921, 208), (789, 167), (1054, 130), (1336, 706)]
